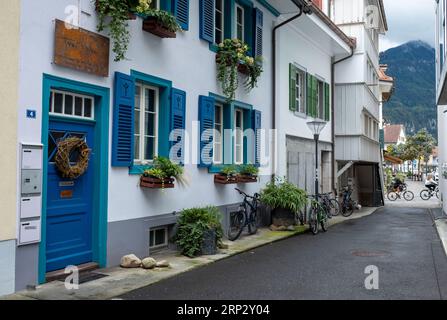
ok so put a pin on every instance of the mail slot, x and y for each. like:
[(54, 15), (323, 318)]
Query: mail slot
[(29, 231)]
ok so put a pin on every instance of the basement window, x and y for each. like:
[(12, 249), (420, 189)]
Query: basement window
[(158, 238)]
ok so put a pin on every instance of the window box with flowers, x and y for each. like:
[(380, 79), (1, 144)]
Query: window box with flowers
[(161, 23), (162, 174), (228, 175), (232, 57), (248, 174), (114, 15)]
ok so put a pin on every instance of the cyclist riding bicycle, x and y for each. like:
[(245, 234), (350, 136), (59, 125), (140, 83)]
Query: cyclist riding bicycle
[(430, 183), (397, 183)]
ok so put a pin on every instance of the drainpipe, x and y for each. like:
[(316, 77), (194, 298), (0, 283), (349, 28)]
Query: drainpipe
[(303, 7), (334, 171)]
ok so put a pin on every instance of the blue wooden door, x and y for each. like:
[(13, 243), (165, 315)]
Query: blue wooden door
[(69, 202)]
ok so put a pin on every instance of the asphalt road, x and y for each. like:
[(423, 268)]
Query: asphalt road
[(401, 242)]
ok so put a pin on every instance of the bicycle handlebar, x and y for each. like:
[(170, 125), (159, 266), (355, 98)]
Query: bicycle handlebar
[(255, 196)]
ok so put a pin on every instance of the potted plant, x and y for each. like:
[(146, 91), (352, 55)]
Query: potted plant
[(248, 173), (113, 15), (161, 175), (232, 56), (285, 199), (161, 23), (199, 231), (228, 175)]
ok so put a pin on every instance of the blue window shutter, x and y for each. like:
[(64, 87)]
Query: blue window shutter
[(207, 20), (206, 118), (123, 120), (258, 20), (257, 122), (181, 12), (178, 114)]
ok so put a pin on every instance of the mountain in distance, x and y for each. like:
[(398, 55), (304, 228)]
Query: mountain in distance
[(413, 103)]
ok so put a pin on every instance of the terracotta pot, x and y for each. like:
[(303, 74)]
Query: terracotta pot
[(223, 179)]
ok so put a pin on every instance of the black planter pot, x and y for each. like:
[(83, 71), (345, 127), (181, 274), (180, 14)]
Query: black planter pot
[(209, 245), (283, 217)]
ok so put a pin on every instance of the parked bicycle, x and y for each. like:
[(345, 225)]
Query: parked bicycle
[(399, 192), (332, 206), (246, 216), (347, 204), (428, 193), (319, 215)]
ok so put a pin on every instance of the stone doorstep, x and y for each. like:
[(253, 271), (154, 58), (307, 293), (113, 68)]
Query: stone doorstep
[(60, 274), (120, 281)]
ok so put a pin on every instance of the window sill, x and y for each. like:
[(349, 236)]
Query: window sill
[(138, 169), (300, 114)]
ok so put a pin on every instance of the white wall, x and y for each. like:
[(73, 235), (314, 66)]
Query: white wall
[(187, 61), (316, 62)]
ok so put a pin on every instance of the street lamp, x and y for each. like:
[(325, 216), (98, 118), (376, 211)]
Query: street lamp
[(316, 127)]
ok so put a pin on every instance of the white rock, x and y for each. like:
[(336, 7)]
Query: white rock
[(130, 261), (162, 264), (148, 263)]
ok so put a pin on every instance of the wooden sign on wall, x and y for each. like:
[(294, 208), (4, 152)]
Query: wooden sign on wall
[(81, 49)]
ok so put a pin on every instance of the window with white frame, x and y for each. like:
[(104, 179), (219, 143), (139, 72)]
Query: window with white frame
[(300, 91), (72, 105), (239, 136), (219, 21), (240, 11), (218, 134), (158, 238), (146, 123)]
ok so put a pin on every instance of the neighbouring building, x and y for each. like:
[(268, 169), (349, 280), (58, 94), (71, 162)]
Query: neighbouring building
[(441, 95), (9, 101), (304, 86), (386, 88), (394, 134), (357, 100)]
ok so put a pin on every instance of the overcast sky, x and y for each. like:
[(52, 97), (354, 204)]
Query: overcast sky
[(409, 20)]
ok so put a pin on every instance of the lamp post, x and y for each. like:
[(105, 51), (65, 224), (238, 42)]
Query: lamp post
[(316, 127)]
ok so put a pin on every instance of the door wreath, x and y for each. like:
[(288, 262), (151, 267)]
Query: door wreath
[(62, 159)]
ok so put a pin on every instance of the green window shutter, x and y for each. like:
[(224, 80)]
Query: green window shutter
[(309, 100), (316, 106), (327, 109), (292, 89)]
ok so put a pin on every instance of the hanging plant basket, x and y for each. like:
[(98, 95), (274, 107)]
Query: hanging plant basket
[(247, 178), (241, 67), (225, 179), (154, 26), (156, 183)]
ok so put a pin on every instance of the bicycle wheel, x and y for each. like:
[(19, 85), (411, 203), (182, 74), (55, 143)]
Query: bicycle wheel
[(425, 194), (313, 221), (408, 195), (323, 218), (392, 196), (347, 209), (254, 222), (335, 207), (237, 222)]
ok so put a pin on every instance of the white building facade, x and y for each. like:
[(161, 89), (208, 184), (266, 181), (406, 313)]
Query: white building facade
[(126, 115), (357, 100), (304, 91)]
